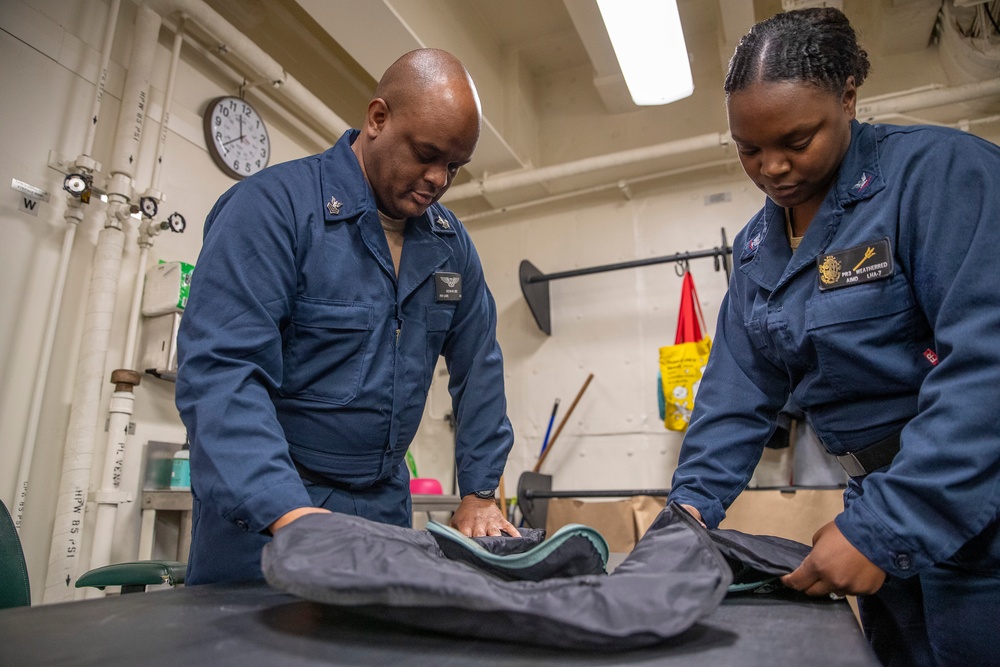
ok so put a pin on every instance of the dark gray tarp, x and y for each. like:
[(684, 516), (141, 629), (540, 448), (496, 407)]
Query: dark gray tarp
[(757, 560), (672, 578)]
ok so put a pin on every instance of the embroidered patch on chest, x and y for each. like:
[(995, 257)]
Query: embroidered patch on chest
[(854, 266), (448, 286)]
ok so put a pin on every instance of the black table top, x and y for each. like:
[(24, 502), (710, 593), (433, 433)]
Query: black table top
[(252, 624)]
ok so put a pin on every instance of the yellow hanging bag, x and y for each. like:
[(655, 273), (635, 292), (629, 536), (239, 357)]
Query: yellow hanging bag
[(682, 364)]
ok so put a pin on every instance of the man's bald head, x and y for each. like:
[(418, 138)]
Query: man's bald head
[(422, 125), (432, 73)]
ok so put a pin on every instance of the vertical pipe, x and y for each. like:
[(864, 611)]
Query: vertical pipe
[(102, 73), (67, 535), (123, 400), (73, 215), (128, 355), (168, 96), (66, 555)]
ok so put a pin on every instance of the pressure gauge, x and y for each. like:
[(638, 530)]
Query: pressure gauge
[(148, 207), (236, 137)]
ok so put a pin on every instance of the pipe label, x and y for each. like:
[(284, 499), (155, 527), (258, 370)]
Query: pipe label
[(30, 190)]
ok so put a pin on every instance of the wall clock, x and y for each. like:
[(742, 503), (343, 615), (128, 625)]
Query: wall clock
[(236, 136)]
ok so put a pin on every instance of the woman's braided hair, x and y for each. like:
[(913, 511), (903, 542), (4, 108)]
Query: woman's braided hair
[(815, 45)]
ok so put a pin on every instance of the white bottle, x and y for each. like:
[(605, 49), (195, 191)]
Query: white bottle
[(180, 473)]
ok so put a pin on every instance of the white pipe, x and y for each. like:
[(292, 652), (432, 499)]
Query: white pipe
[(168, 96), (73, 215), (252, 55), (929, 98), (66, 556), (102, 74), (920, 99), (135, 313), (66, 551), (518, 179), (622, 184)]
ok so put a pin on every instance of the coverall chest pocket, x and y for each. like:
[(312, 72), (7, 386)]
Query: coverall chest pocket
[(325, 346), (868, 338), (438, 323)]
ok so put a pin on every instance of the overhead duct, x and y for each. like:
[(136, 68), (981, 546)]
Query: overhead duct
[(901, 103), (265, 67)]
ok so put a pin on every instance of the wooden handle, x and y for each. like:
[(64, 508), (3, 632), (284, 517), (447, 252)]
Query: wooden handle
[(552, 442)]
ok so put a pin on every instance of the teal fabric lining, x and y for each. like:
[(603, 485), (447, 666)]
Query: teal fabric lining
[(531, 557)]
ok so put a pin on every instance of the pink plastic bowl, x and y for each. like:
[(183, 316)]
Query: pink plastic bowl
[(425, 486)]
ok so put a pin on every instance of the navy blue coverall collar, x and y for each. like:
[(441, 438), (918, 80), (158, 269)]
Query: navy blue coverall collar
[(766, 257), (347, 197)]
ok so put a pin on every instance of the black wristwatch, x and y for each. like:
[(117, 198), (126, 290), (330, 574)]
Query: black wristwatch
[(485, 495)]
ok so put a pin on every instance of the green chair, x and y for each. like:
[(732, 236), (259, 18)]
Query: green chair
[(14, 589), (132, 577)]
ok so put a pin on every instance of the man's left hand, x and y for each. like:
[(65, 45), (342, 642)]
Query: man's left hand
[(476, 517), (835, 566)]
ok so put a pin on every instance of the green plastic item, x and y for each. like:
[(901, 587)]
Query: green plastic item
[(411, 464)]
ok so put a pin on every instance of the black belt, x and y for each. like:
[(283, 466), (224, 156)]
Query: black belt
[(312, 476), (871, 458)]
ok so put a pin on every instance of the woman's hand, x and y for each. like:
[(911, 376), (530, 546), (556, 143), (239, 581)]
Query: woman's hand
[(835, 566)]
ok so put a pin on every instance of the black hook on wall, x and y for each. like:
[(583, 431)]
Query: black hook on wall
[(535, 284)]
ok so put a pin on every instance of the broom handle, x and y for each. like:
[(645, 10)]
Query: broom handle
[(541, 459)]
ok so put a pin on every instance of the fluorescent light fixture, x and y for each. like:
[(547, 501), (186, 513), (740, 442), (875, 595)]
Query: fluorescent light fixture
[(649, 44)]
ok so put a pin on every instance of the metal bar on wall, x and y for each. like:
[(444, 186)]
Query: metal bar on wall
[(535, 284)]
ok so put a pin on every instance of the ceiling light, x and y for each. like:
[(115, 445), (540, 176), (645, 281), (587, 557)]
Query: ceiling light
[(649, 44)]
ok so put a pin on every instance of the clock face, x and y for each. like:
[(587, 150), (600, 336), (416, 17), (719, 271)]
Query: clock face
[(236, 137)]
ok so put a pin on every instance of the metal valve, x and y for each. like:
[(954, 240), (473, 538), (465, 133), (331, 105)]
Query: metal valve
[(177, 222), (79, 186)]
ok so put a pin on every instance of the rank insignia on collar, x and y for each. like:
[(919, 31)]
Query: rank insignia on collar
[(442, 223), (864, 182), (333, 206)]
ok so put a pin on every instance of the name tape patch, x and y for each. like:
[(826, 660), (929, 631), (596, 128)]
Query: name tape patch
[(854, 266), (448, 286)]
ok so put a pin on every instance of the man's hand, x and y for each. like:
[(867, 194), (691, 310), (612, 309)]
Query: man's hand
[(835, 566), (289, 517), (476, 517)]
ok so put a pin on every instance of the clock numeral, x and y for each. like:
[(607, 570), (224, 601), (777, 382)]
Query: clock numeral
[(236, 165)]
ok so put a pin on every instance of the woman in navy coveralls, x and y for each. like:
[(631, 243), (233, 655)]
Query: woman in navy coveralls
[(866, 290)]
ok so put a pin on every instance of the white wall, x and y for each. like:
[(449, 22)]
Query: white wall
[(609, 324), (50, 54)]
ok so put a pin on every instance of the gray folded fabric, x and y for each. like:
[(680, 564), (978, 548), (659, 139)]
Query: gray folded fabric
[(673, 578), (757, 561)]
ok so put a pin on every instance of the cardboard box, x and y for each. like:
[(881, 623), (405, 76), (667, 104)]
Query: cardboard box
[(794, 515), (621, 522)]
